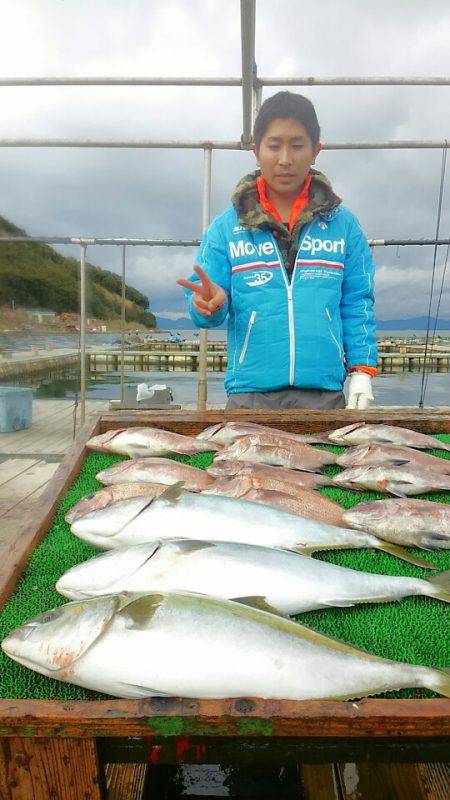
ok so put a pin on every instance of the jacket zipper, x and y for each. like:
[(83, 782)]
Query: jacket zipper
[(289, 286), (339, 348), (247, 336)]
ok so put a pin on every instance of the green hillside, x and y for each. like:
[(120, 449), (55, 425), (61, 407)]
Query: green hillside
[(35, 275)]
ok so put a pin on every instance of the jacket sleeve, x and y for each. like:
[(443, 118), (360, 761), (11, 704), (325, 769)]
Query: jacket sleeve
[(212, 257), (357, 302)]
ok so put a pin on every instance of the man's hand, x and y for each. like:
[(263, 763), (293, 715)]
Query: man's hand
[(359, 390), (209, 297)]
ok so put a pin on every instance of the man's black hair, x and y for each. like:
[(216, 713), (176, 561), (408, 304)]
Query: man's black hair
[(287, 105)]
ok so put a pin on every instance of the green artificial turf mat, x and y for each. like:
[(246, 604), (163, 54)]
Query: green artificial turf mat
[(413, 630)]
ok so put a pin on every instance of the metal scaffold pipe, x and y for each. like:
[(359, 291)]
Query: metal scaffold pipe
[(230, 81), (203, 338), (129, 81), (248, 13), (122, 328), (150, 144), (182, 242), (355, 81), (83, 334)]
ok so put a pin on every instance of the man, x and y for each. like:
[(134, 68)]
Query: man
[(291, 267)]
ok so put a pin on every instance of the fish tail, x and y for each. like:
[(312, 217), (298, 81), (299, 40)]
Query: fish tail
[(440, 586), (400, 552), (438, 680)]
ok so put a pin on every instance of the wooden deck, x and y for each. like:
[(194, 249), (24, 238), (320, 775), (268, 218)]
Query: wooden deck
[(29, 458)]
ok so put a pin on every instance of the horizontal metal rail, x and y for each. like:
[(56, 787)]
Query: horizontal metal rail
[(162, 144), (85, 241), (193, 81)]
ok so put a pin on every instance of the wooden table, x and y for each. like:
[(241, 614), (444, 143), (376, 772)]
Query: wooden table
[(62, 746)]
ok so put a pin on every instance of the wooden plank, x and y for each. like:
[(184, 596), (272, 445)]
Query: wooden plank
[(125, 781), (366, 781), (211, 718), (435, 780), (14, 467), (22, 485), (42, 434), (34, 526), (320, 782), (39, 769), (299, 420)]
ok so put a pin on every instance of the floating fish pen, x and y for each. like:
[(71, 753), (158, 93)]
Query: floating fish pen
[(164, 361), (64, 736), (172, 360)]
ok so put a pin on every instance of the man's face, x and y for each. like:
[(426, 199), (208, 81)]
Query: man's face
[(285, 156)]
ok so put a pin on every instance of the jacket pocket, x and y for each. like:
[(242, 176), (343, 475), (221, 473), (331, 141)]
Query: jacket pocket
[(335, 335), (247, 336)]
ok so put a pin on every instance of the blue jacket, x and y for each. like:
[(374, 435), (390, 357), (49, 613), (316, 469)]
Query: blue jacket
[(305, 332)]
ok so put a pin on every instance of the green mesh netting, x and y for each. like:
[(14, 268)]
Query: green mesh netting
[(414, 630)]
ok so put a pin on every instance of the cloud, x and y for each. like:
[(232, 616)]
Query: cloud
[(159, 193)]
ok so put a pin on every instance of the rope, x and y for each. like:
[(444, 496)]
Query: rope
[(438, 224)]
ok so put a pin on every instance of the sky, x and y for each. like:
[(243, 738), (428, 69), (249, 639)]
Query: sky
[(158, 193)]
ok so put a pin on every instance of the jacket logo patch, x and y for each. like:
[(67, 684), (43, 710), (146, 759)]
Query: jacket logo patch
[(258, 278), (313, 246), (244, 248)]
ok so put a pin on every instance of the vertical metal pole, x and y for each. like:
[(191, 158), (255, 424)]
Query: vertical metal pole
[(122, 328), (203, 340), (83, 334), (248, 10)]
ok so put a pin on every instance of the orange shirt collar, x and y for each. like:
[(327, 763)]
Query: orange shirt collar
[(297, 207)]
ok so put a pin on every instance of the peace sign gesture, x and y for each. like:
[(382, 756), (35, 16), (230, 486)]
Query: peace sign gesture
[(209, 297)]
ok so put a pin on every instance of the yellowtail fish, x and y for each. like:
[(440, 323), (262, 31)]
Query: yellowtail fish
[(191, 645)]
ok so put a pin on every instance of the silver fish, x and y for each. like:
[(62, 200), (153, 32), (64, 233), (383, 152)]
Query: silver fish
[(156, 470), (225, 433), (395, 454), (287, 497), (190, 645), (109, 495), (400, 481), (362, 433), (293, 477), (200, 516), (138, 442), (265, 450), (412, 523), (261, 576)]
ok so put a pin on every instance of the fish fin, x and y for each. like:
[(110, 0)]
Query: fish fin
[(400, 552), (398, 462), (299, 551), (258, 601), (144, 691), (441, 681), (173, 492), (441, 581), (396, 492), (188, 546), (434, 541), (141, 608), (339, 603)]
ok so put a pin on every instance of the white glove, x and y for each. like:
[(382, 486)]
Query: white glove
[(359, 390)]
